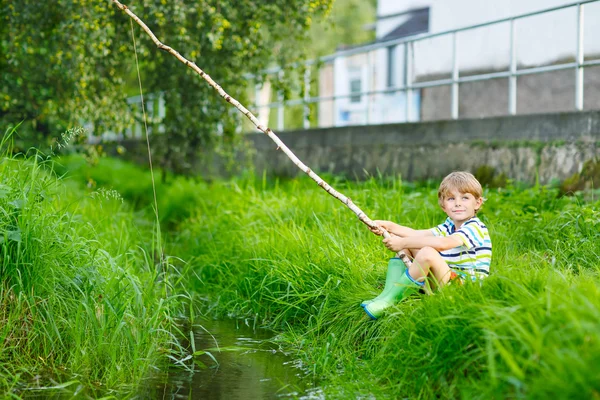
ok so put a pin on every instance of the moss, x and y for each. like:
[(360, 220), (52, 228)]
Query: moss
[(588, 178), (515, 144), (489, 177)]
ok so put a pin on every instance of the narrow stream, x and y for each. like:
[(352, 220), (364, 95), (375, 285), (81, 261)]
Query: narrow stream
[(240, 363)]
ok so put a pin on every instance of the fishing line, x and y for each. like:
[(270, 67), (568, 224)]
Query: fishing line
[(137, 66)]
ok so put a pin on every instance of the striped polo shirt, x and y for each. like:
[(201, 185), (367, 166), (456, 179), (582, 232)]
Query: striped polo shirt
[(473, 258)]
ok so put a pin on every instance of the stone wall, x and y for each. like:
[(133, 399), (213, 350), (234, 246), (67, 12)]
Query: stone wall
[(524, 148)]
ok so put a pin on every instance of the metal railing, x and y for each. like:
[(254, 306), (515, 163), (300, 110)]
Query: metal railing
[(410, 85)]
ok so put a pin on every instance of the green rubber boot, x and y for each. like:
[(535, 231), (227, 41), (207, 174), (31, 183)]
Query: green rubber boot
[(401, 289), (395, 270)]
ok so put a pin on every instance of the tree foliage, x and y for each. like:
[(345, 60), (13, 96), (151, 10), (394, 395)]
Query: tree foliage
[(346, 25), (68, 62), (61, 64)]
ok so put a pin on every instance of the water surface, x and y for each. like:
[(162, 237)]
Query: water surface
[(243, 364)]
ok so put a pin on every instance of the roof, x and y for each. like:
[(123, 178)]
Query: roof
[(418, 22)]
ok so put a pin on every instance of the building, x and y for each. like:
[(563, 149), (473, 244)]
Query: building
[(448, 59), (442, 59)]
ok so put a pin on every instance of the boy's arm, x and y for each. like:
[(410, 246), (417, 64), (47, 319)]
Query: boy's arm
[(402, 231), (440, 243)]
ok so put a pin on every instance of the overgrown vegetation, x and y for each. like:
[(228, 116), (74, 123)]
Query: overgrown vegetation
[(85, 303), (289, 256), (294, 258)]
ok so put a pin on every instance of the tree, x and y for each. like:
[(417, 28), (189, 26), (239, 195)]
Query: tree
[(345, 25), (69, 61), (61, 64)]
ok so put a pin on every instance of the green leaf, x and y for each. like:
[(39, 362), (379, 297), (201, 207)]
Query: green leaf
[(18, 203), (4, 191), (15, 236), (64, 385), (230, 349), (508, 357), (208, 353), (59, 386)]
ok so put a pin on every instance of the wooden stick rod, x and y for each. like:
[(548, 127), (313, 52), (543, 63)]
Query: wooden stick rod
[(280, 145)]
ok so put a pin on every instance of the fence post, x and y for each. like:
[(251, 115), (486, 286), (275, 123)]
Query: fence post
[(336, 82), (579, 61), (368, 85), (306, 108), (408, 50), (280, 107), (454, 76), (257, 104), (512, 79)]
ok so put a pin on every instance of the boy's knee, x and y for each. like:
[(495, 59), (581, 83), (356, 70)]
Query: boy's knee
[(427, 254)]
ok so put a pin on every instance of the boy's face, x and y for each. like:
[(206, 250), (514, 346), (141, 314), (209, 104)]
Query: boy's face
[(460, 206)]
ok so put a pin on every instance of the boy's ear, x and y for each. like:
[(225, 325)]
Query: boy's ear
[(479, 203)]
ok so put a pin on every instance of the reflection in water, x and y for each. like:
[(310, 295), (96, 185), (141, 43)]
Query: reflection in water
[(249, 367)]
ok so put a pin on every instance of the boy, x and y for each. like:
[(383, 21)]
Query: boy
[(460, 248)]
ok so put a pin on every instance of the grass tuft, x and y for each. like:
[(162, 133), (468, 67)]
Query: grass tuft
[(82, 305)]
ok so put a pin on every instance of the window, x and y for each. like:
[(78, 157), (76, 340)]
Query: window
[(355, 89), (391, 66)]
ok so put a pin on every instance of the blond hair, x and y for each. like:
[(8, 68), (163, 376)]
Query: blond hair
[(461, 181)]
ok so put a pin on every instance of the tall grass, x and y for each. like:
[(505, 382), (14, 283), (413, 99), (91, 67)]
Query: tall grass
[(294, 258), (134, 184), (291, 257), (83, 304)]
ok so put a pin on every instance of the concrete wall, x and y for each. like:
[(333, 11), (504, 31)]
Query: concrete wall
[(553, 146)]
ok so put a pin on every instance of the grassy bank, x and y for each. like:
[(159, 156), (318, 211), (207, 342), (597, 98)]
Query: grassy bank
[(294, 258), (291, 257), (84, 303)]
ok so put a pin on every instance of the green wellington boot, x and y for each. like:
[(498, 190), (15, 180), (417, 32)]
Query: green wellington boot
[(395, 270), (400, 290)]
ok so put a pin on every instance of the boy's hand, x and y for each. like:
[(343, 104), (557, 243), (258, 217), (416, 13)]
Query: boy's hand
[(394, 243), (383, 224), (376, 231)]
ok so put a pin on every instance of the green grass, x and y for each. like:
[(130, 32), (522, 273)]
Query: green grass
[(134, 185), (296, 259), (291, 257), (84, 303)]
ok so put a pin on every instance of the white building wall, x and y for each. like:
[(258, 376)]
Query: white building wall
[(541, 40)]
